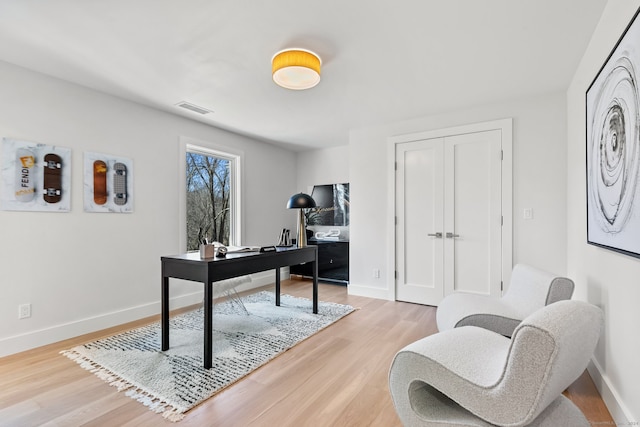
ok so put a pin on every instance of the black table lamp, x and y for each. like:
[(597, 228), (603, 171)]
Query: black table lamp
[(301, 201)]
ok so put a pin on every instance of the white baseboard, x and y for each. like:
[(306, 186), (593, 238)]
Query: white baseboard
[(50, 335), (367, 291), (620, 414)]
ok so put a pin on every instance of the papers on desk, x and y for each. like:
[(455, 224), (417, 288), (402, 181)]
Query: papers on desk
[(241, 249)]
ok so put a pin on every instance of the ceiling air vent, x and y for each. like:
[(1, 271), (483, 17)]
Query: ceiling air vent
[(194, 108)]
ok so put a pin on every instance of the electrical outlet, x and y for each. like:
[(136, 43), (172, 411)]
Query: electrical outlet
[(24, 311), (528, 213), (376, 273)]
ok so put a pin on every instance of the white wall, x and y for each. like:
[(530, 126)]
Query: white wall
[(326, 166), (604, 278), (539, 177), (86, 271), (319, 167)]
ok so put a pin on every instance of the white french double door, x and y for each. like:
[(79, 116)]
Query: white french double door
[(448, 216)]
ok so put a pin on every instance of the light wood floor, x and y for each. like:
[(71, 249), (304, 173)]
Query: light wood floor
[(338, 377)]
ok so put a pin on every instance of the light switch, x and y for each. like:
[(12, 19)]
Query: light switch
[(528, 213)]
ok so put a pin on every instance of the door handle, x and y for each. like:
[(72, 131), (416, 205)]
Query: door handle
[(436, 235), (451, 235)]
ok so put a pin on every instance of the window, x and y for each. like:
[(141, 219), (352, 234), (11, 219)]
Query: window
[(211, 188)]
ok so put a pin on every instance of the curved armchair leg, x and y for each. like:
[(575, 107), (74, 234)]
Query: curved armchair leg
[(419, 404)]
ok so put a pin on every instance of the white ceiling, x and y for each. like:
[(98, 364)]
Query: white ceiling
[(383, 60)]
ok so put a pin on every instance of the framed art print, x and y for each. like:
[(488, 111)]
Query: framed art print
[(35, 177), (613, 148), (108, 183)]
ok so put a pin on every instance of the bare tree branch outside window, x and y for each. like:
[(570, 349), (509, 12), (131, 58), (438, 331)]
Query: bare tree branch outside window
[(208, 199)]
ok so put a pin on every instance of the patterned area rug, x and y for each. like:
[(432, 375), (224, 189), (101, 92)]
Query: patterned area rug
[(175, 381)]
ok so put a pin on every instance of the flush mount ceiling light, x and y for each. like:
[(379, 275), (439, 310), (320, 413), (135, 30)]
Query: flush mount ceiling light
[(296, 69)]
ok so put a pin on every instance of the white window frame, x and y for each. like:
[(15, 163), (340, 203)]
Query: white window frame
[(235, 158)]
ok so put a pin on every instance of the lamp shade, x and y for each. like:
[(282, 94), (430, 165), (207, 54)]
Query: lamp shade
[(301, 201), (296, 69)]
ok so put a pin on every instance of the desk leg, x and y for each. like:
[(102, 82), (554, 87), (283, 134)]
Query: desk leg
[(165, 313), (208, 325), (278, 286), (314, 268)]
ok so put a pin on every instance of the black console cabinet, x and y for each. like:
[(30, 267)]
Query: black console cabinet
[(333, 262)]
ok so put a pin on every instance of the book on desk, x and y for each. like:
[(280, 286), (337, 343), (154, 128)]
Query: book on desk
[(243, 249)]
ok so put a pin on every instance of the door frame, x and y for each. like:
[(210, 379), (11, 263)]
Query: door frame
[(506, 128)]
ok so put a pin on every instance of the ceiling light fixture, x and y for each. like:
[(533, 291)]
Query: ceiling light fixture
[(296, 69)]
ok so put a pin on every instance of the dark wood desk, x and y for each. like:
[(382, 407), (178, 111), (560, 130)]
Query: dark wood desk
[(191, 267)]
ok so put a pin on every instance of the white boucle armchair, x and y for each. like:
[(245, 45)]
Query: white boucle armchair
[(470, 376), (530, 289)]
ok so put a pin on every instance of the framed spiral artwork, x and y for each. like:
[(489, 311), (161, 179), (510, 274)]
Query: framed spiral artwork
[(613, 148)]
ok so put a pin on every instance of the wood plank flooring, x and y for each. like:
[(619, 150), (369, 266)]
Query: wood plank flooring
[(337, 377)]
